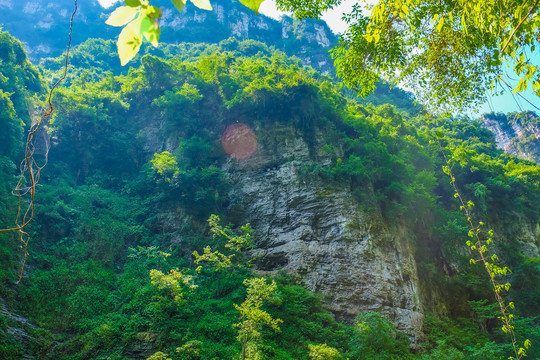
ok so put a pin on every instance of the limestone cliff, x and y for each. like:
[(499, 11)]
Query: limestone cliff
[(319, 234), (517, 134), (316, 231)]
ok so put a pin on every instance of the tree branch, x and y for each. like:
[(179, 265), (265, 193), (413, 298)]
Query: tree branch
[(518, 26)]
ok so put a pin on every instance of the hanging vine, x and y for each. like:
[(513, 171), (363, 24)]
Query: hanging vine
[(30, 170)]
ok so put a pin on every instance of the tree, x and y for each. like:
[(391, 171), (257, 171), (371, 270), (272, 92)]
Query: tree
[(449, 52), (323, 352), (252, 317), (175, 282), (235, 243), (165, 165)]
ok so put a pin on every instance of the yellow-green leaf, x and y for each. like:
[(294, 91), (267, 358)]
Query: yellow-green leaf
[(121, 16), (150, 31), (252, 4), (129, 43), (133, 3), (179, 4), (405, 9), (202, 4), (440, 24)]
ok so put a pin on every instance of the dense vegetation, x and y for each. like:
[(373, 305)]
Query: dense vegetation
[(134, 152)]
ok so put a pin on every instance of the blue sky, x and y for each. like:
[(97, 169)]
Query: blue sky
[(508, 102)]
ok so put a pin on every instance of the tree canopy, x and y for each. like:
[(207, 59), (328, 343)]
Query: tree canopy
[(451, 53)]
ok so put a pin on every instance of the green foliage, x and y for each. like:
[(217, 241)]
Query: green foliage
[(374, 337), (159, 356), (104, 214), (306, 9), (174, 282), (190, 350), (18, 80), (252, 317), (450, 53), (12, 131), (323, 352), (165, 165)]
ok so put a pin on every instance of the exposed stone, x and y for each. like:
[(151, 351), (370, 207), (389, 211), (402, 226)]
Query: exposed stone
[(240, 28), (510, 133), (322, 38), (319, 234)]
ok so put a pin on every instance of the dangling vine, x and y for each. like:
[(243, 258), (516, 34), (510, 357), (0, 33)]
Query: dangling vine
[(30, 169), (479, 246)]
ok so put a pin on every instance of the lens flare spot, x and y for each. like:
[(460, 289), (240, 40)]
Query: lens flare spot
[(239, 141)]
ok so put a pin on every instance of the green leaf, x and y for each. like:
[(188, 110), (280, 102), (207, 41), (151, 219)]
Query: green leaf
[(440, 24), (202, 4), (121, 16), (133, 3), (179, 4), (129, 42), (252, 4), (405, 9), (150, 31)]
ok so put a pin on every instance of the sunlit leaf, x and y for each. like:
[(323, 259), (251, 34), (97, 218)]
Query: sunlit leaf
[(121, 16), (150, 31), (179, 4), (133, 3), (252, 4), (440, 24), (129, 42), (202, 4)]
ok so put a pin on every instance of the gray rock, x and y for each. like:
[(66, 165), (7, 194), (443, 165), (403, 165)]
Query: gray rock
[(319, 234)]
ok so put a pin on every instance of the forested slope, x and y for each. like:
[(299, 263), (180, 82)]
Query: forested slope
[(334, 191)]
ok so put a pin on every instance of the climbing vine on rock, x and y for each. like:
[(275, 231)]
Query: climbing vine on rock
[(479, 244)]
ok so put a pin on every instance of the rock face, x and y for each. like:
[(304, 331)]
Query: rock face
[(230, 19), (17, 329), (319, 235), (517, 134)]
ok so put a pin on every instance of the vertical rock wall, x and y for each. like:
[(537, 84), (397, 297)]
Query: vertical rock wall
[(519, 135), (319, 234)]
